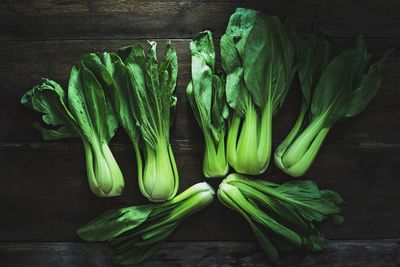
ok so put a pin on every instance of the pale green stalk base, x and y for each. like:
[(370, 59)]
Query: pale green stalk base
[(298, 148), (250, 154), (104, 175), (160, 180), (215, 162), (297, 152), (301, 167), (282, 148)]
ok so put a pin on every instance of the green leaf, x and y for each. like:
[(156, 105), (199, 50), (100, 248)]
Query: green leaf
[(121, 94), (268, 61), (94, 63), (232, 49), (240, 24), (236, 93), (206, 91), (78, 105), (219, 110), (99, 110), (200, 90), (230, 58), (49, 99), (153, 88), (313, 57), (367, 87), (114, 223), (333, 92)]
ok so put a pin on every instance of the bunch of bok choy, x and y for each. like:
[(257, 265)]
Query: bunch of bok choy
[(144, 102)]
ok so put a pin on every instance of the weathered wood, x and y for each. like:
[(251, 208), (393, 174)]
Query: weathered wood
[(45, 197), (24, 63), (45, 19), (374, 253)]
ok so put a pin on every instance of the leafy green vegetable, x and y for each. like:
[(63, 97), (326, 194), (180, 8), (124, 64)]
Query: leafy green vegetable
[(258, 58), (343, 88), (206, 94), (152, 87), (135, 233), (86, 113), (143, 98), (281, 216)]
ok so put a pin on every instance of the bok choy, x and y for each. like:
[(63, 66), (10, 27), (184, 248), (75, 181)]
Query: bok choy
[(135, 233), (257, 55), (206, 94), (143, 98), (84, 112), (152, 85), (341, 89), (281, 216)]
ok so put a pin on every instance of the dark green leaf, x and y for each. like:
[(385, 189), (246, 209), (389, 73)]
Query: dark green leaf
[(114, 223), (49, 99)]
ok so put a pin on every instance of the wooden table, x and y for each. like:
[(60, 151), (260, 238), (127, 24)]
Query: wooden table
[(44, 195)]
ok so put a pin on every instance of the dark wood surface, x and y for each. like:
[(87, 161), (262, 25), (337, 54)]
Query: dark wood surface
[(366, 253), (44, 195)]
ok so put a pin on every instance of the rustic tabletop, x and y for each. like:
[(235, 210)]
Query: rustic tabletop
[(44, 195)]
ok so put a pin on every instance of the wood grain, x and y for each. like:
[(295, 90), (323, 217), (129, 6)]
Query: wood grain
[(366, 253), (46, 19)]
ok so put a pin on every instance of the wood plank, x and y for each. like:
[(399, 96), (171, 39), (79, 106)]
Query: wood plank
[(24, 63), (44, 194), (376, 253), (46, 19)]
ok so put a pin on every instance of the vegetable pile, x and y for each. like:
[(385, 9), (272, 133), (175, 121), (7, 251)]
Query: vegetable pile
[(260, 56)]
